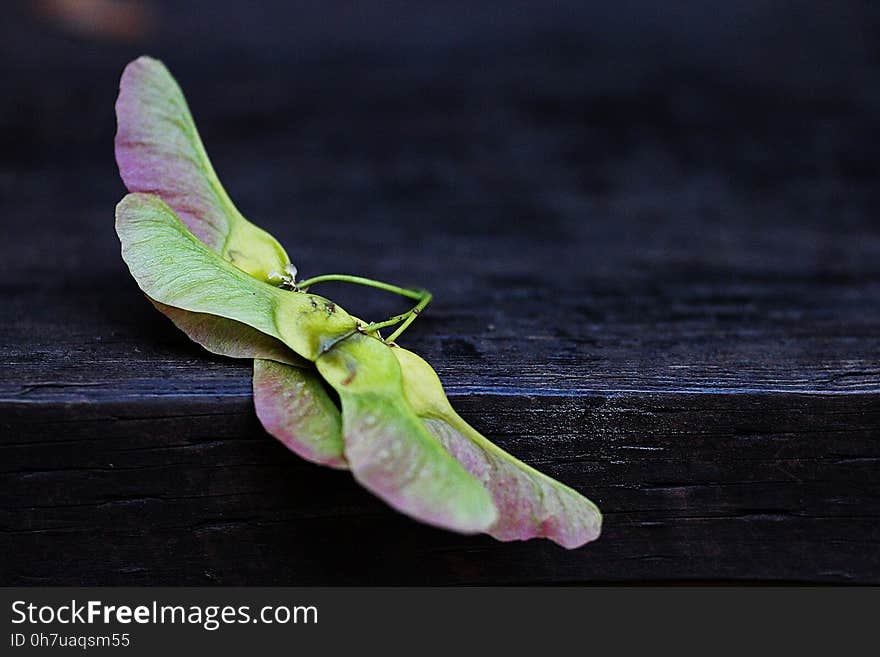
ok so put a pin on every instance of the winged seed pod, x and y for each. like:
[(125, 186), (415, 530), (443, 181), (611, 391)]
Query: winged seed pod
[(159, 151), (219, 278)]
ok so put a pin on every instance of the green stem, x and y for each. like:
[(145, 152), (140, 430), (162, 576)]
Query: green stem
[(397, 319), (359, 280), (423, 296), (420, 306)]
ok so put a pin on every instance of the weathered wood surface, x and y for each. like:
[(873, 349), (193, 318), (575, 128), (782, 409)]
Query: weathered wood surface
[(659, 284)]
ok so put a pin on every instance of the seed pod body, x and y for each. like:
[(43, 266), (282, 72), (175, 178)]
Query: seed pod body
[(388, 448)]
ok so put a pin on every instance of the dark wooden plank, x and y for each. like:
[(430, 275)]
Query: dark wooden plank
[(660, 283), (772, 489)]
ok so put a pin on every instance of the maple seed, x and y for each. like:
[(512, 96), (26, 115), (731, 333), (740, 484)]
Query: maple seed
[(230, 286)]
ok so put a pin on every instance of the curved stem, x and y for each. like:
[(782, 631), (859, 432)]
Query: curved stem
[(423, 296), (359, 280), (391, 321), (426, 299)]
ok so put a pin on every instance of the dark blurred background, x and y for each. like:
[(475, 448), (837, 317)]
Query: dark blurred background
[(654, 120), (616, 205)]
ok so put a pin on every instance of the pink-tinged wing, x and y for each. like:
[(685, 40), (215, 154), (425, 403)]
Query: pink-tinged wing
[(294, 407), (159, 151), (388, 448), (530, 504), (289, 397), (227, 337)]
